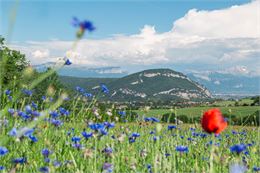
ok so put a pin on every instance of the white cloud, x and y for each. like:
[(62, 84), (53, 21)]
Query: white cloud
[(209, 39), (40, 54), (237, 70), (234, 22)]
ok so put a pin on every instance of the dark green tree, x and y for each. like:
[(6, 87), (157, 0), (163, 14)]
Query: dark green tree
[(16, 73), (12, 64)]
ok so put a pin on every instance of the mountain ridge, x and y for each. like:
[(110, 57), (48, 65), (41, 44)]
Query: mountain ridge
[(151, 84)]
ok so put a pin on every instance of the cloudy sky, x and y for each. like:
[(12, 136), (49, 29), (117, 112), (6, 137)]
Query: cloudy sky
[(208, 35)]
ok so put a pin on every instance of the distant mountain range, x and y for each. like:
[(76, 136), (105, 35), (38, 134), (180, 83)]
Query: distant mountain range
[(223, 84), (220, 84), (155, 84)]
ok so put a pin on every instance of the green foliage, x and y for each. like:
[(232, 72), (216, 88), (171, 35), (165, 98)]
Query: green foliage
[(13, 63), (256, 101), (16, 73), (52, 83), (168, 118)]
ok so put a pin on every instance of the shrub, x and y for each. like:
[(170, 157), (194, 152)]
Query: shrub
[(168, 118)]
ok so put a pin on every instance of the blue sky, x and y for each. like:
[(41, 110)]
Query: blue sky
[(208, 35), (45, 20)]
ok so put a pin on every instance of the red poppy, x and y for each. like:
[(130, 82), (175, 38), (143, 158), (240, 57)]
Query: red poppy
[(213, 121)]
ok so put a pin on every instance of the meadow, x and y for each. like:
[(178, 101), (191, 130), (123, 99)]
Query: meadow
[(198, 111), (64, 140)]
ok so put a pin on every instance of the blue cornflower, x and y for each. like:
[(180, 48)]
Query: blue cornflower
[(167, 154), (96, 126), (84, 25), (51, 99), (192, 129), (26, 117), (131, 140), (66, 99), (46, 152), (147, 119), (56, 163), (135, 135), (122, 113), (36, 113), (155, 120), (182, 149), (34, 105), (104, 88), (87, 25), (21, 113), (28, 109), (56, 123), (103, 131), (8, 92), (109, 125), (44, 169), (70, 131), (107, 150), (33, 138), (152, 119), (27, 92), (11, 111), (77, 146), (190, 139), (203, 135), (88, 94), (10, 97), (87, 135), (44, 98), (27, 132), (47, 160), (54, 114), (238, 148), (79, 89), (3, 151), (234, 132), (256, 169), (152, 132), (155, 138), (246, 153), (195, 134), (20, 160), (75, 139), (170, 127), (249, 144), (13, 132), (63, 111), (107, 167), (2, 168), (67, 62), (149, 167)]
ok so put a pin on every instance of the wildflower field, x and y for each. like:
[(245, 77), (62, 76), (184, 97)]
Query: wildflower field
[(34, 139), (46, 128)]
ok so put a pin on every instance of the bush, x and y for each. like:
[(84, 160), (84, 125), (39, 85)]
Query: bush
[(168, 118), (252, 119)]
